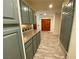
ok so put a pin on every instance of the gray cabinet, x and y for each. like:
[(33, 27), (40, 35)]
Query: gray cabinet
[(27, 14), (31, 15), (38, 39), (8, 8), (12, 44), (34, 45), (10, 12), (29, 50), (24, 13), (12, 41), (34, 17), (34, 21), (66, 25), (36, 42)]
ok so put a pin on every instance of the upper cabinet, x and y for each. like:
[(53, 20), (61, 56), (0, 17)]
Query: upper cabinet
[(10, 12), (34, 18), (27, 14), (24, 13), (31, 15)]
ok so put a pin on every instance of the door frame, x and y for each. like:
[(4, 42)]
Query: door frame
[(49, 26)]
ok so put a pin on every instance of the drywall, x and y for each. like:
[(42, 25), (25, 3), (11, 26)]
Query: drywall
[(39, 18), (57, 23), (72, 46), (52, 22)]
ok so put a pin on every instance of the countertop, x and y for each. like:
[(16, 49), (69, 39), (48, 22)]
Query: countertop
[(27, 35)]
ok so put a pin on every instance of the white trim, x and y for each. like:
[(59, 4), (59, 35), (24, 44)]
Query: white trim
[(64, 50), (21, 27)]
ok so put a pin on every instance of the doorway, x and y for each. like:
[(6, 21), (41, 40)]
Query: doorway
[(45, 24)]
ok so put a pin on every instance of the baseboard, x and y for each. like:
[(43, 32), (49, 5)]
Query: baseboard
[(64, 50)]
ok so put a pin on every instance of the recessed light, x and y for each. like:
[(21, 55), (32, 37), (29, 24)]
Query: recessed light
[(25, 9), (50, 6), (45, 14)]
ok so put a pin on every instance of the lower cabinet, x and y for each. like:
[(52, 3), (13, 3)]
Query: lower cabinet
[(12, 44), (32, 45), (38, 39), (29, 52)]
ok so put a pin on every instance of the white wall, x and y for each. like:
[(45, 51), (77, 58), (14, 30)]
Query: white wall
[(57, 24), (72, 47), (39, 17), (52, 22)]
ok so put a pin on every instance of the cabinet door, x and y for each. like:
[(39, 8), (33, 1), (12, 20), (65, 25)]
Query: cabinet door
[(66, 25), (34, 45), (65, 33), (31, 15), (24, 13), (38, 39), (10, 12), (36, 42), (34, 21), (34, 18), (29, 52), (12, 44), (8, 8)]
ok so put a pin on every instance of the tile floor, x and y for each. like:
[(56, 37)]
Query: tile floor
[(49, 47)]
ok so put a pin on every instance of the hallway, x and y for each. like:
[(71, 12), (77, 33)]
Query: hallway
[(39, 29), (49, 48)]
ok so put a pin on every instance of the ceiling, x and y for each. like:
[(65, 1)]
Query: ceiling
[(42, 5)]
